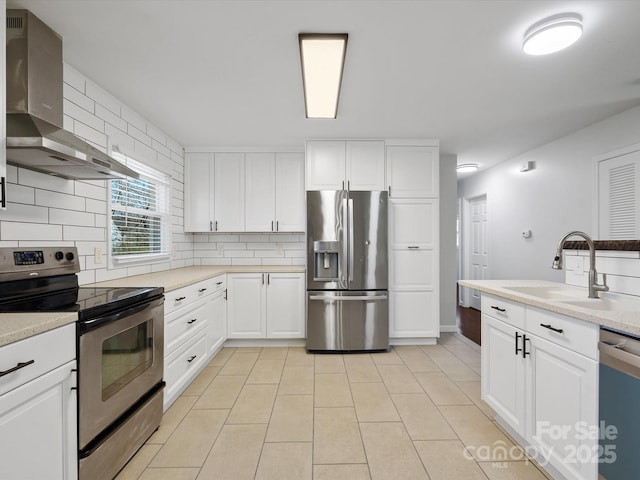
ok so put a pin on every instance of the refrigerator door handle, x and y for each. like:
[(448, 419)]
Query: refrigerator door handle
[(348, 298), (344, 269), (351, 253)]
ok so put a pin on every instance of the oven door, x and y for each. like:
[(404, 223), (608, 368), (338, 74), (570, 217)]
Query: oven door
[(120, 358)]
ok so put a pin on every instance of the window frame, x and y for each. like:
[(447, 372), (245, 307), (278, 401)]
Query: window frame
[(162, 183)]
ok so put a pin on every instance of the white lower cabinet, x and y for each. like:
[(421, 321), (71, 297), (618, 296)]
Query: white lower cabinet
[(266, 305), (544, 389), (38, 418), (195, 329)]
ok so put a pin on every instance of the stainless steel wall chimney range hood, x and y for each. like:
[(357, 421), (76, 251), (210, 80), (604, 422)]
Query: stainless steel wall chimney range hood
[(35, 137)]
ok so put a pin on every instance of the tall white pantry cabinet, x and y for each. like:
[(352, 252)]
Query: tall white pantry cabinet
[(409, 171)]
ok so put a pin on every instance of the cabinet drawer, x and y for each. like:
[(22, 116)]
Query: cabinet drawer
[(180, 325), (503, 309), (184, 359), (184, 296), (47, 350), (574, 334)]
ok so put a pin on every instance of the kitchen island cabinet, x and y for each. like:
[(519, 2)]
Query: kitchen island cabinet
[(38, 407), (540, 375)]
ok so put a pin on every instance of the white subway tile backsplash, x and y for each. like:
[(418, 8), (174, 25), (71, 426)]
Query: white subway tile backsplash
[(156, 134), (70, 217), (100, 220), (47, 198), (133, 118), (88, 248), (94, 234), (29, 231), (119, 140), (31, 178), (89, 134), (78, 98), (110, 117), (139, 135), (89, 190), (228, 253), (100, 96), (177, 149), (67, 123), (41, 243), (161, 149), (246, 261), (21, 194), (19, 212), (79, 114), (12, 174), (72, 77), (215, 261), (96, 206), (86, 276), (144, 153)]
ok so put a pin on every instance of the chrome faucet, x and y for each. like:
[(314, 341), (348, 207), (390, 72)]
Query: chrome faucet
[(594, 286)]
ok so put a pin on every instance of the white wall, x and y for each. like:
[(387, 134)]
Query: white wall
[(49, 211), (448, 251), (249, 249), (551, 200)]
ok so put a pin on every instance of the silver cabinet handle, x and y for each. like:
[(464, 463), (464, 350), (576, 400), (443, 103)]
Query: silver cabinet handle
[(277, 225), (263, 279), (348, 184), (268, 278), (389, 190), (216, 225), (272, 225), (211, 225), (413, 247)]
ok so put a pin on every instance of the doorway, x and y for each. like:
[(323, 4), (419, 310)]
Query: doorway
[(475, 247)]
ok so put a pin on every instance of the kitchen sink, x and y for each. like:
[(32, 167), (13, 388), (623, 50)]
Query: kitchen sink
[(551, 292)]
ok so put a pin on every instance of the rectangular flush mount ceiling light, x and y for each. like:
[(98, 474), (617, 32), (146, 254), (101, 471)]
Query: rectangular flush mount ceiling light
[(322, 56)]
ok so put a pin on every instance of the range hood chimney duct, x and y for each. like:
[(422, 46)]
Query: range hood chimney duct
[(36, 138)]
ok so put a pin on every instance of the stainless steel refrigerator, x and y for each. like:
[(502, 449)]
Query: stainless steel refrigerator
[(347, 274)]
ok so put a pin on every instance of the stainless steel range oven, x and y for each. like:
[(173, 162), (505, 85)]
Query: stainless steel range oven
[(120, 342)]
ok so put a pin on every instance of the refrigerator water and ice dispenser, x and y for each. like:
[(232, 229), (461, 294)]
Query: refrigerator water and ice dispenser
[(326, 258)]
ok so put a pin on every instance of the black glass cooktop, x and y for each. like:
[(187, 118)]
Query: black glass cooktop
[(87, 301)]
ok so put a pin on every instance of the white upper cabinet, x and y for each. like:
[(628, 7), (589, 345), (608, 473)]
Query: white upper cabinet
[(412, 171), (229, 192), (326, 161), (244, 192), (345, 164), (260, 183), (199, 202), (214, 192), (290, 199), (365, 165)]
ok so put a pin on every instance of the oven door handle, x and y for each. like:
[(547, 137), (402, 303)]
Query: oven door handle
[(88, 325)]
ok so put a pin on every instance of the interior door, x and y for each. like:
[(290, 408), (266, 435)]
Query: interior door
[(478, 246)]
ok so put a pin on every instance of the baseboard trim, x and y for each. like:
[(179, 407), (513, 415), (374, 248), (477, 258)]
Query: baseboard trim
[(449, 328), (263, 342), (413, 341)]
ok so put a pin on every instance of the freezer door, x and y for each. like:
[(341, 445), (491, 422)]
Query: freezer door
[(347, 321), (326, 240), (367, 241)]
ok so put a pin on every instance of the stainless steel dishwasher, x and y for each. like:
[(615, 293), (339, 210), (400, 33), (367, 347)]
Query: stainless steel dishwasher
[(619, 428)]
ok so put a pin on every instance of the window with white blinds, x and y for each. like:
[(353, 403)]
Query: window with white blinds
[(140, 211)]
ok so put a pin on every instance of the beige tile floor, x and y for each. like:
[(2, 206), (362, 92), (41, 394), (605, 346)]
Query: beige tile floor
[(281, 413)]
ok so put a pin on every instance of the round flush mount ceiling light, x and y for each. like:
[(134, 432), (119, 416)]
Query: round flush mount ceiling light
[(552, 34), (467, 167)]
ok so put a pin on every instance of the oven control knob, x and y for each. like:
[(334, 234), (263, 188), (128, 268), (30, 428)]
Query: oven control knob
[(59, 255), (69, 256)]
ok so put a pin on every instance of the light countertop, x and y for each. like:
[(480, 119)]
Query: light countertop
[(181, 277), (18, 326), (619, 312)]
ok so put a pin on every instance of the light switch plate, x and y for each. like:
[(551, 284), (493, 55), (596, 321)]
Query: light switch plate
[(97, 256)]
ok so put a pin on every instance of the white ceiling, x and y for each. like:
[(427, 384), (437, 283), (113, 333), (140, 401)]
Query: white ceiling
[(227, 73)]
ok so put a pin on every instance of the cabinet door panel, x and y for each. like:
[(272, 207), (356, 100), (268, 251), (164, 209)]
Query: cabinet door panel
[(285, 305), (199, 201), (503, 374), (34, 428), (413, 269), (365, 165), (413, 314), (290, 198), (562, 394), (412, 171), (325, 164), (229, 192), (216, 321), (260, 188), (413, 223), (246, 306)]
